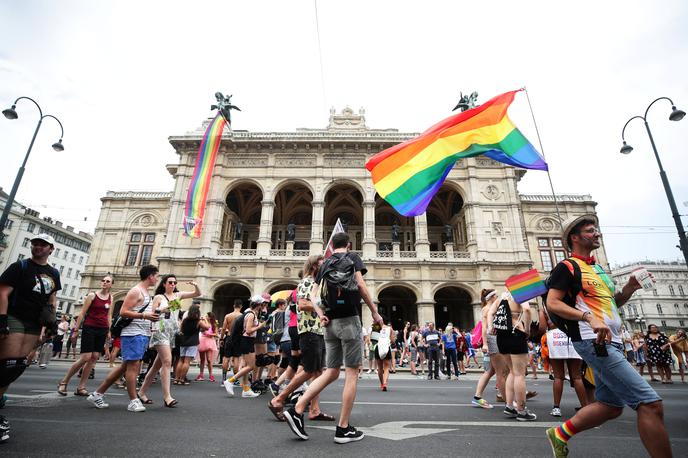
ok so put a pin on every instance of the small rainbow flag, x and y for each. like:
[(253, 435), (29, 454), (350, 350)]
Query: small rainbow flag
[(523, 287), (409, 174), (200, 181)]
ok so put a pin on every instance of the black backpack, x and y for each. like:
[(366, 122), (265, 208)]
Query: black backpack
[(568, 327), (338, 281), (277, 326)]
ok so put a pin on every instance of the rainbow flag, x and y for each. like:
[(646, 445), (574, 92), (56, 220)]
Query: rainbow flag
[(523, 287), (200, 181), (409, 174)]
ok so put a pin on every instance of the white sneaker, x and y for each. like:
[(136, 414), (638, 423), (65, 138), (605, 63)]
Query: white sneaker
[(556, 412), (369, 371), (229, 386), (250, 394), (98, 400), (136, 406)]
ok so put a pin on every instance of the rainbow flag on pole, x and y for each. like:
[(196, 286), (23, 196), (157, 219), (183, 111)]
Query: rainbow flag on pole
[(200, 181), (523, 287), (409, 174)]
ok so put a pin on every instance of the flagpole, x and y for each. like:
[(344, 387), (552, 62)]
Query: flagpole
[(542, 150)]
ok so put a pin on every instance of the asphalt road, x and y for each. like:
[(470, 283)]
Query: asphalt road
[(416, 417)]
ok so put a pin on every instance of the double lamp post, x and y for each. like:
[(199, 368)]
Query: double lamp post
[(11, 113)]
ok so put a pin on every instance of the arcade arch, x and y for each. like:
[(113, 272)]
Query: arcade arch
[(344, 201), (385, 220), (293, 205), (397, 304), (241, 220), (453, 304), (224, 296), (446, 211)]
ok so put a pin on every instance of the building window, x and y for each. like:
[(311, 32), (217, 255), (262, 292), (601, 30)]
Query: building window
[(140, 249), (654, 292), (664, 325), (57, 252), (73, 257), (681, 323), (20, 257), (551, 252), (61, 269), (64, 255), (76, 275), (31, 228), (69, 273), (659, 309), (680, 290), (26, 242), (8, 224), (543, 243), (559, 255), (546, 258), (71, 293), (677, 309), (81, 259), (671, 290)]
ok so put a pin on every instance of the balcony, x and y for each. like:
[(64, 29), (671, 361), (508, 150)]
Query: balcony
[(381, 255)]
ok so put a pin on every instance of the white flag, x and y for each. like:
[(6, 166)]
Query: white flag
[(337, 229)]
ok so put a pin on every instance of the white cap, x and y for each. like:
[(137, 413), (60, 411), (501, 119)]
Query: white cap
[(46, 238), (257, 299)]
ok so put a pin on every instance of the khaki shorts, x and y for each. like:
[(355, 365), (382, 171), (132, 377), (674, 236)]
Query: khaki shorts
[(23, 327), (343, 343)]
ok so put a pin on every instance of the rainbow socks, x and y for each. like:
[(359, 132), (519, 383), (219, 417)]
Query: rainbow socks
[(565, 431)]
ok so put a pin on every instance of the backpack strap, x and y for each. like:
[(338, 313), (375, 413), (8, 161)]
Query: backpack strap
[(575, 270)]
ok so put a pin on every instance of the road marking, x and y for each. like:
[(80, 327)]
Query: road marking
[(368, 403), (400, 430), (53, 391)]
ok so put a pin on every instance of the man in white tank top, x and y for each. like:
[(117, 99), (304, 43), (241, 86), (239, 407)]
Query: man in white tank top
[(135, 336)]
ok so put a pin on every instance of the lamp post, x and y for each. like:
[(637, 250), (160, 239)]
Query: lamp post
[(676, 115), (10, 113)]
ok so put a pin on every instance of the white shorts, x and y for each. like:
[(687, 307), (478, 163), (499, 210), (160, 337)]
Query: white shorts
[(560, 346)]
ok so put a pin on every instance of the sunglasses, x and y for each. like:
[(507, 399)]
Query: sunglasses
[(172, 282), (106, 281)]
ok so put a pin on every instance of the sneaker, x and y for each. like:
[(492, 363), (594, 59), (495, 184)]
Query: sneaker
[(500, 398), (510, 412), (98, 400), (229, 386), (526, 415), (437, 377), (4, 429), (559, 448), (42, 366), (481, 403), (348, 434), (211, 378), (369, 371), (556, 412), (199, 378), (136, 406), (249, 394), (274, 389), (295, 422), (383, 387)]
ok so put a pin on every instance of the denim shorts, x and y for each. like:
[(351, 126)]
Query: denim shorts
[(617, 383), (188, 352), (133, 347), (272, 347)]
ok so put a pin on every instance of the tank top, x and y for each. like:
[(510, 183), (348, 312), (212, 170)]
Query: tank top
[(140, 327), (97, 315)]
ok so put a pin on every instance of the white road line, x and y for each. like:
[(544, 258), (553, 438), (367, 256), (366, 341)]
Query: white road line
[(401, 404)]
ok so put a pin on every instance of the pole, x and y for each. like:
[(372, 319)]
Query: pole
[(17, 181), (683, 242)]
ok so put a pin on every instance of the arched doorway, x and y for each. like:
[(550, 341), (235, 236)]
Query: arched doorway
[(345, 202), (281, 287), (386, 218), (242, 216), (223, 299), (293, 205), (398, 305), (453, 304), (446, 220)]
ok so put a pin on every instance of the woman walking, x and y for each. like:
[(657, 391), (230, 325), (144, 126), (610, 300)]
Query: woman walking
[(166, 303), (658, 353), (207, 348), (638, 343), (191, 325), (96, 316), (491, 354)]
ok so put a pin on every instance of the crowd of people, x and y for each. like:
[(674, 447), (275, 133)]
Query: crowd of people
[(299, 348)]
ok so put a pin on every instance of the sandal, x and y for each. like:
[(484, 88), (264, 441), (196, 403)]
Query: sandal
[(63, 391), (81, 392), (171, 404), (278, 412), (321, 417), (144, 401)]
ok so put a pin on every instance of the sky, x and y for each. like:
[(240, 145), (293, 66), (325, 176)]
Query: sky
[(124, 76)]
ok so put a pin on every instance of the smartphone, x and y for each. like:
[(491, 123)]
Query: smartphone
[(600, 349)]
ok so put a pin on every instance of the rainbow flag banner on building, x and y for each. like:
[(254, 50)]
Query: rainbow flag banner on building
[(523, 287), (409, 174), (200, 181)]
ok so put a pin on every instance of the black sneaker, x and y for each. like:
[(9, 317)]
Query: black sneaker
[(348, 434), (437, 377), (295, 422), (526, 415), (510, 412), (4, 429)]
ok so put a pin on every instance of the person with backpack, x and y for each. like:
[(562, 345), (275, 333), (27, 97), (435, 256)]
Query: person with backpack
[(493, 362), (341, 287), (96, 317), (275, 334), (28, 291), (583, 302)]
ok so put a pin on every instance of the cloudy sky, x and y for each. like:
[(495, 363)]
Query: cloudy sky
[(123, 76)]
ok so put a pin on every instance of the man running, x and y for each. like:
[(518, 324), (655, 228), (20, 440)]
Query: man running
[(27, 302), (594, 325), (137, 306), (342, 337)]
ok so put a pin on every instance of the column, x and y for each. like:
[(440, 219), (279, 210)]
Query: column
[(316, 244), (369, 242), (264, 242), (422, 242), (211, 231), (426, 312)]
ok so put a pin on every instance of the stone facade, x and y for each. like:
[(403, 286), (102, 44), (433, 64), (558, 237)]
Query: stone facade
[(477, 231)]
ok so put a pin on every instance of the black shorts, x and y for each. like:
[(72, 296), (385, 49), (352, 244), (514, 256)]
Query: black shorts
[(312, 352), (294, 336), (388, 356), (93, 339), (512, 343), (227, 348), (247, 345)]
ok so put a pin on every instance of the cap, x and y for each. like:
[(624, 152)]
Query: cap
[(46, 238), (266, 297), (570, 223), (257, 299)]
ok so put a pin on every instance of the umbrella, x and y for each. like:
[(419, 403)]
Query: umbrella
[(284, 294)]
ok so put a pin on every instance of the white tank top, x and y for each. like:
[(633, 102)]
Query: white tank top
[(140, 327)]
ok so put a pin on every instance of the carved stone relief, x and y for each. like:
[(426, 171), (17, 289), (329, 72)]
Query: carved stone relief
[(492, 192), (295, 161), (546, 224), (247, 161)]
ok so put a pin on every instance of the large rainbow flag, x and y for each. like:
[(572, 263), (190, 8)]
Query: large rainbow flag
[(409, 174), (200, 181)]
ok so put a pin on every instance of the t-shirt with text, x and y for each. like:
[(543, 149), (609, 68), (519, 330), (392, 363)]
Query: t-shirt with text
[(27, 297)]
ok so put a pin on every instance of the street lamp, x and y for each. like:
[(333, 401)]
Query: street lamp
[(676, 115), (11, 113)]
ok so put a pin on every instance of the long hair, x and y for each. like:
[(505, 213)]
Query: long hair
[(161, 286), (212, 320), (647, 334), (448, 330), (311, 264), (483, 295), (194, 313)]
